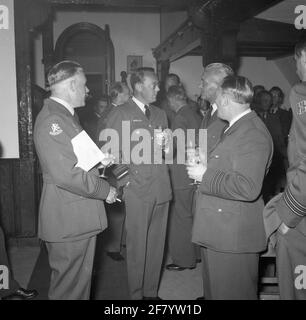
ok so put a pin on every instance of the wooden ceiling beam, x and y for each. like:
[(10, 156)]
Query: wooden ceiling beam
[(256, 36), (260, 30)]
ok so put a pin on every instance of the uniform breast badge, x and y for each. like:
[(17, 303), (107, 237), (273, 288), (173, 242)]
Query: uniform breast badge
[(55, 129)]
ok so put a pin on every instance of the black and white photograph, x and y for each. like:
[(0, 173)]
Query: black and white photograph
[(153, 150)]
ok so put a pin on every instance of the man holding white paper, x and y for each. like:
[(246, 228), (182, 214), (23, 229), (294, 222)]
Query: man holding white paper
[(71, 210)]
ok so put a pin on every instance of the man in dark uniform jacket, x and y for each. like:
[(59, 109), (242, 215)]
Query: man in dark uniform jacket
[(96, 109), (71, 211), (148, 192), (181, 249), (119, 94), (290, 207), (173, 79), (272, 121), (228, 223)]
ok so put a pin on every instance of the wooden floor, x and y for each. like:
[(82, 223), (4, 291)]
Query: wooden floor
[(30, 267)]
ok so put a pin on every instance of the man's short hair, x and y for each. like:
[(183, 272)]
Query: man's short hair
[(300, 47), (219, 68), (279, 92), (139, 75), (115, 89), (62, 71), (177, 92), (173, 76), (93, 102), (263, 93), (238, 88)]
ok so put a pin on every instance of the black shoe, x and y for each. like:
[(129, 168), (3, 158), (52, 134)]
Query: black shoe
[(200, 298), (22, 294), (198, 260), (115, 256), (152, 298), (175, 267)]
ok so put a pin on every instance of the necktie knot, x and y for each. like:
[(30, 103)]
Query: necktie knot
[(147, 112)]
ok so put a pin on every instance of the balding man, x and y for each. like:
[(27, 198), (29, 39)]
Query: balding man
[(71, 210)]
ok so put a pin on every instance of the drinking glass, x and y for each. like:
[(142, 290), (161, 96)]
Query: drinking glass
[(193, 158)]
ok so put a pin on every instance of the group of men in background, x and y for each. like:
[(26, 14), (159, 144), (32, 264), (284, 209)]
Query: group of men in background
[(218, 220)]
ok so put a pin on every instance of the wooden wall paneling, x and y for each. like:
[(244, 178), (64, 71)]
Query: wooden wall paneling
[(7, 192)]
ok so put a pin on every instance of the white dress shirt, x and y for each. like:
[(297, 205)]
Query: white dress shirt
[(139, 104)]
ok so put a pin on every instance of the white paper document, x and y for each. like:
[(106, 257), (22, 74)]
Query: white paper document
[(86, 151)]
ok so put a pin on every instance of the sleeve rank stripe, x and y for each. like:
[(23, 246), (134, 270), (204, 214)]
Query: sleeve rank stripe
[(216, 182), (293, 204), (298, 205)]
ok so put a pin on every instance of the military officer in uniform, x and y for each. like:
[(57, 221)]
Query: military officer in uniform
[(290, 207), (182, 250), (228, 223), (119, 94), (148, 191), (71, 211)]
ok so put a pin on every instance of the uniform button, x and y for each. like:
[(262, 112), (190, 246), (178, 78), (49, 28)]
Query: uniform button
[(214, 136), (216, 156), (150, 126), (219, 210)]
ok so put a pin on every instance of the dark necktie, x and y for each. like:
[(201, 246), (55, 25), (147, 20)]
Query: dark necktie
[(207, 117), (223, 134), (147, 112), (263, 115)]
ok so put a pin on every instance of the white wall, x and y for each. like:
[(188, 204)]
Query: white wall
[(131, 33), (287, 66), (266, 73), (8, 93), (189, 69)]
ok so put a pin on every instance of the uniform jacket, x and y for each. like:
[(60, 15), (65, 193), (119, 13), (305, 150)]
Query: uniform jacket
[(148, 181), (186, 118), (70, 206), (229, 206), (291, 207)]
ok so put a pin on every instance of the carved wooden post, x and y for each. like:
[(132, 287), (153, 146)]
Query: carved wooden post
[(219, 43), (162, 71)]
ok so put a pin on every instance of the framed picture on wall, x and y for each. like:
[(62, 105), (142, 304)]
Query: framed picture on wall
[(133, 62)]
